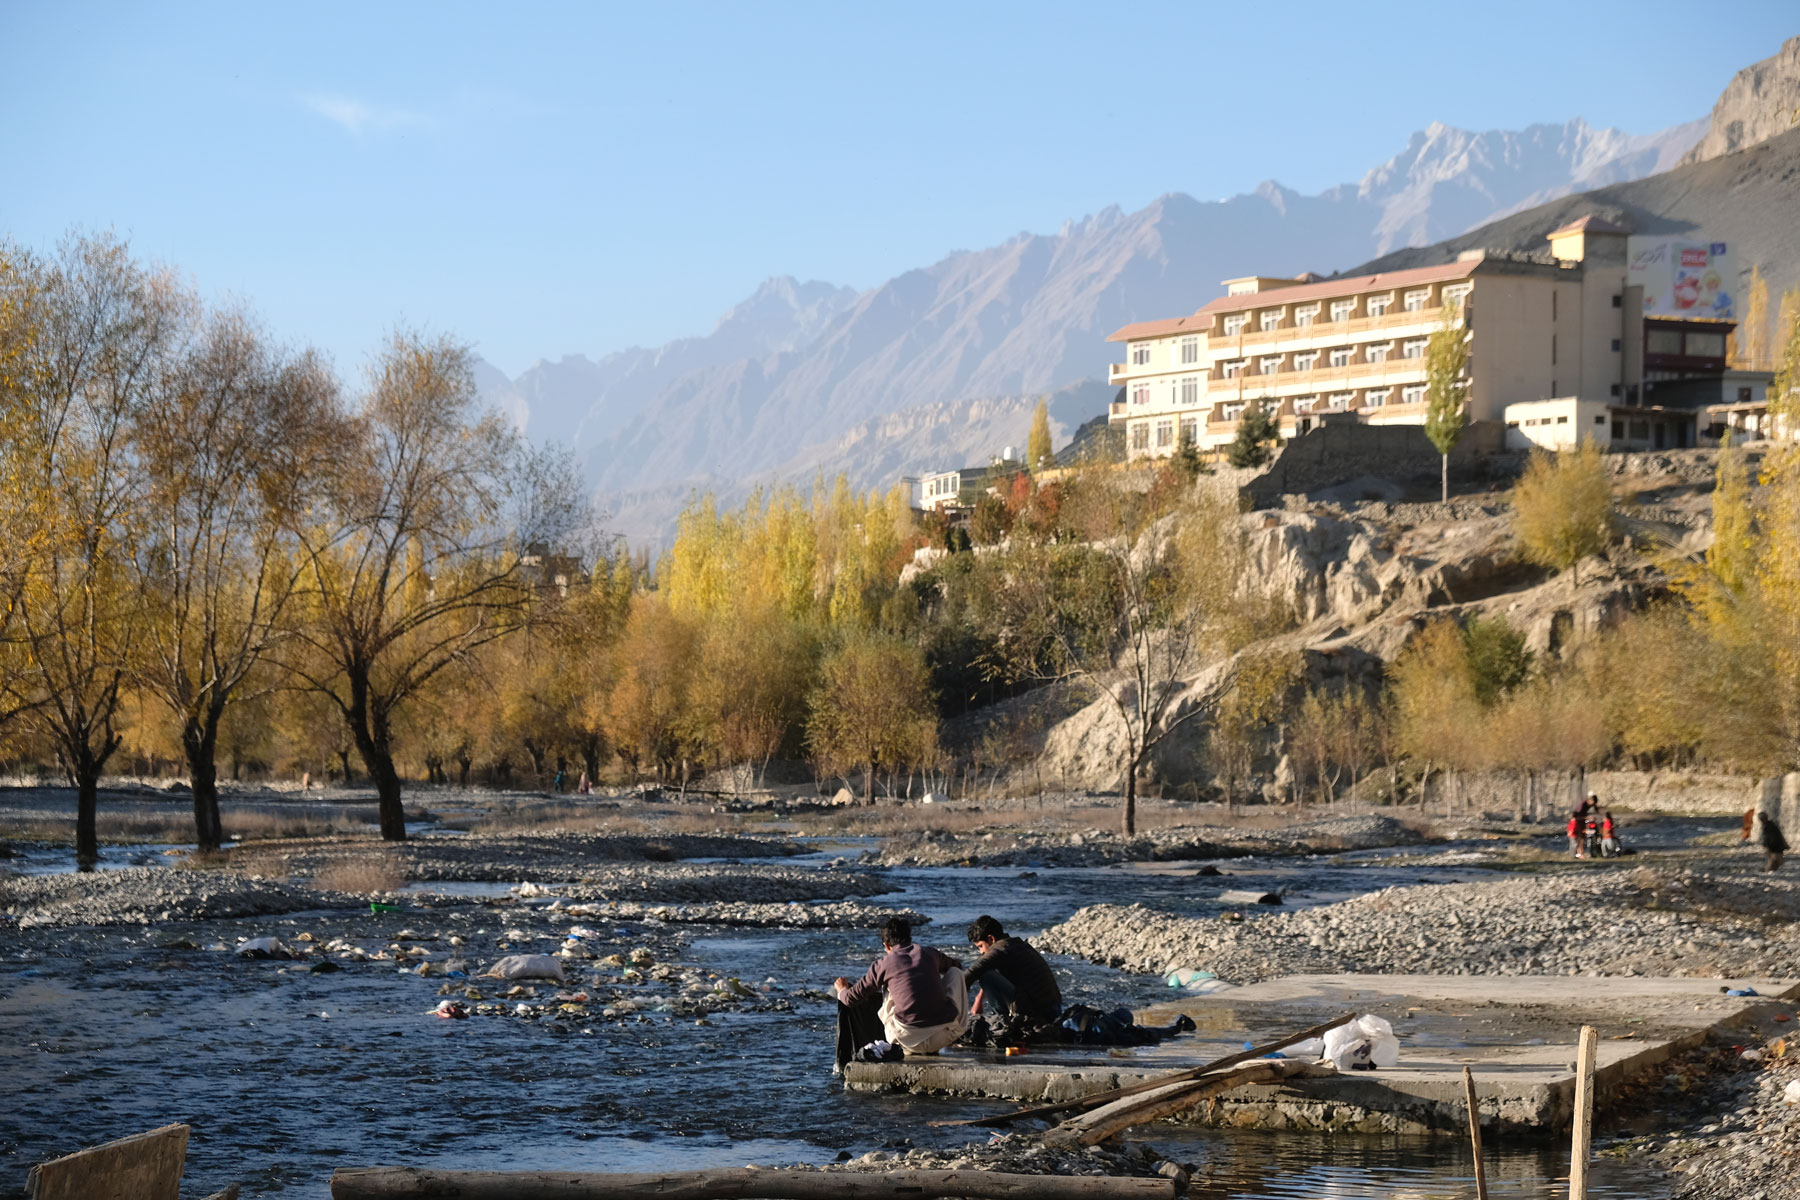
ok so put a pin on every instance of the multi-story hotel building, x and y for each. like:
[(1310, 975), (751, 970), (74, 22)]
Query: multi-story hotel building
[(1539, 328)]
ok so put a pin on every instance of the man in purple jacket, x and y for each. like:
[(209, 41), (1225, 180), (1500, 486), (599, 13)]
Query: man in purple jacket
[(924, 1002)]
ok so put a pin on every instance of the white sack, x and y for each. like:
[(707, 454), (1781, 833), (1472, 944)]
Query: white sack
[(1368, 1040), (526, 966)]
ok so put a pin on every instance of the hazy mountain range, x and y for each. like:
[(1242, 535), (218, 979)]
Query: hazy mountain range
[(939, 366)]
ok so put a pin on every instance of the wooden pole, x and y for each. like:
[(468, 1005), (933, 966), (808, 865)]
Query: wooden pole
[(1099, 1098), (1584, 1113), (734, 1183), (1481, 1192), (1092, 1128)]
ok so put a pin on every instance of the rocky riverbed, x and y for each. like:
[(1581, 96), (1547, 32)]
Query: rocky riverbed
[(777, 895), (1728, 920), (1095, 847), (1748, 1147), (510, 858)]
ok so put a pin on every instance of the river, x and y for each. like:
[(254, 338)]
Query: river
[(286, 1075)]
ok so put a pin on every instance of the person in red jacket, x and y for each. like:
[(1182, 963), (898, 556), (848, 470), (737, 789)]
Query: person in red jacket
[(1575, 833)]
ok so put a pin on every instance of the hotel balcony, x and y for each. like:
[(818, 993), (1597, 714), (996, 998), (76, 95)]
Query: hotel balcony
[(1116, 372), (1394, 371), (1324, 332)]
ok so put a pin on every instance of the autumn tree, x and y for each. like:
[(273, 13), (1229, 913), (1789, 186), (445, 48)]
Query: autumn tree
[(88, 339), (873, 708), (1446, 362), (1752, 333), (1132, 612), (417, 562), (232, 455), (1562, 507), (645, 709), (1248, 715), (1039, 451)]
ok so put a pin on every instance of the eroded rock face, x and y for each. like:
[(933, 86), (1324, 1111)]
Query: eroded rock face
[(1758, 103), (1359, 585)]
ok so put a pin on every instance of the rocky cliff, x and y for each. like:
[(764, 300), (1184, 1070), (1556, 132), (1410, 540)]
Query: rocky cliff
[(1760, 102)]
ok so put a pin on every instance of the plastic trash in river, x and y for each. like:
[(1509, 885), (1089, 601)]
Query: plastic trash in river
[(264, 947), (1743, 991), (1362, 1045), (381, 908), (451, 1010), (526, 966)]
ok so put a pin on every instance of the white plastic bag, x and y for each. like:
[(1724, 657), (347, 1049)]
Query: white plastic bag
[(1364, 1043), (264, 947), (526, 966)]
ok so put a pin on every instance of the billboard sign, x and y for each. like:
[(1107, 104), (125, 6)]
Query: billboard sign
[(1683, 278)]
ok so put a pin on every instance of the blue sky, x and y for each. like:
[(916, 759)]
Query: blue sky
[(549, 179)]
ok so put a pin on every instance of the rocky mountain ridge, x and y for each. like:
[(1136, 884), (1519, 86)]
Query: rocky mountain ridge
[(805, 377), (1761, 101)]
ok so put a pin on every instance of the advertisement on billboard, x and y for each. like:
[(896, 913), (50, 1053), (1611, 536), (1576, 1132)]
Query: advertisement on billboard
[(1683, 278)]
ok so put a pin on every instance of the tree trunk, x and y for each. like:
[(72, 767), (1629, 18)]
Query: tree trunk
[(199, 741), (1130, 822), (87, 802), (344, 765), (464, 762), (1445, 479), (370, 732)]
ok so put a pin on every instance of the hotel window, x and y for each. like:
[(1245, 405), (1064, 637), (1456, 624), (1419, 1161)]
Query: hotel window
[(1335, 402), (1306, 316), (1416, 301), (1231, 412), (1235, 325), (1304, 361), (1234, 368), (1663, 341), (1270, 320), (1378, 305), (1305, 404), (1343, 401), (1165, 434), (1190, 430), (1341, 309), (1140, 394), (1269, 364), (1190, 350), (1457, 294), (1140, 354), (1376, 397), (1190, 390), (1413, 395), (1377, 352), (1414, 348), (1140, 435), (1706, 345), (1341, 356)]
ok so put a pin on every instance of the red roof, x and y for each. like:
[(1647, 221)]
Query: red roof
[(1341, 287), (1201, 320), (1144, 329)]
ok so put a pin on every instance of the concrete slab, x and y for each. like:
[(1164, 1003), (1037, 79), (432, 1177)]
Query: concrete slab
[(1517, 1033)]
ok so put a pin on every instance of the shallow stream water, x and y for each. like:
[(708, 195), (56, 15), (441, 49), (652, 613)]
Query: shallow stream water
[(285, 1075)]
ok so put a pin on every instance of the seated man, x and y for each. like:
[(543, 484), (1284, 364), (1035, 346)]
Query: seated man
[(923, 997), (1012, 975)]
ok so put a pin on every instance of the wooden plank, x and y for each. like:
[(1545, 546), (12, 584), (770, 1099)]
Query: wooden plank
[(740, 1183), (1107, 1097), (145, 1166), (1481, 1192), (1092, 1128), (1583, 1137)]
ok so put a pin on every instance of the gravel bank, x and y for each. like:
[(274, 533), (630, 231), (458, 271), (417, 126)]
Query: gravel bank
[(1725, 922), (721, 894), (686, 883), (1750, 1149), (500, 858), (1022, 1154), (1095, 847), (846, 914)]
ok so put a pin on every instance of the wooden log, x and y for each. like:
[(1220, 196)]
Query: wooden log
[(742, 1183), (145, 1166), (1092, 1128), (1241, 896), (1107, 1097), (1481, 1192), (1583, 1136)]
